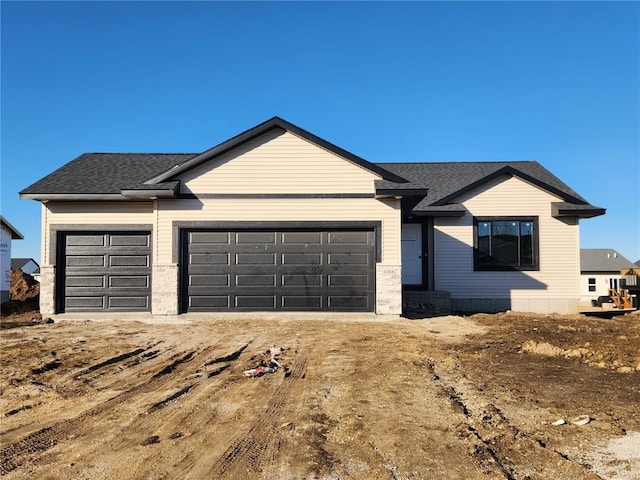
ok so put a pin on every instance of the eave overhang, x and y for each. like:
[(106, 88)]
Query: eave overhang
[(152, 192), (401, 192), (449, 210), (567, 209), (73, 197)]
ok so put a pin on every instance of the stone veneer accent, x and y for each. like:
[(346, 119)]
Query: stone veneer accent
[(164, 290), (388, 289), (47, 290)]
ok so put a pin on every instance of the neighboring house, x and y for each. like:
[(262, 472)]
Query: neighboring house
[(277, 218), (600, 270), (27, 265), (7, 233)]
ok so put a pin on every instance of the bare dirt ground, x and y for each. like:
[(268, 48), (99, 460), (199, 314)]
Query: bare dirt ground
[(441, 398)]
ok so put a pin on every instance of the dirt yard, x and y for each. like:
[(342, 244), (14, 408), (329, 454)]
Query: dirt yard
[(441, 398)]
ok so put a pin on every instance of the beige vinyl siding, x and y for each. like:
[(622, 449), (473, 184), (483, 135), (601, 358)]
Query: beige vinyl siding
[(278, 163), (282, 210), (558, 277), (93, 213)]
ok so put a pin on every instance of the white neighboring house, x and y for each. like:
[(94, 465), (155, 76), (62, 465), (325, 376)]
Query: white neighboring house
[(599, 271), (27, 265), (7, 233)]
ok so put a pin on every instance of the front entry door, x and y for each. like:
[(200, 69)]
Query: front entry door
[(412, 254)]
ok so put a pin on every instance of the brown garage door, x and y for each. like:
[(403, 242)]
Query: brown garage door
[(263, 270), (105, 271)]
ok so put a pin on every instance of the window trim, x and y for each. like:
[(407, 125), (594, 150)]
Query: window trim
[(502, 268), (591, 284)]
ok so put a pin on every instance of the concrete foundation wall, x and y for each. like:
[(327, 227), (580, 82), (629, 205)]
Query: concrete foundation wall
[(534, 305)]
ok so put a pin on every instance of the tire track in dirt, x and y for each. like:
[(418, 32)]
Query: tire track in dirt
[(257, 448), (489, 431), (30, 447)]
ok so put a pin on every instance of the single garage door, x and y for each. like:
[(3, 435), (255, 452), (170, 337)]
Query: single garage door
[(262, 270), (105, 271)]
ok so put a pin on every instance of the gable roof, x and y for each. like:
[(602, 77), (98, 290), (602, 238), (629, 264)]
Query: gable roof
[(15, 234), (447, 180), (125, 176), (602, 260), (18, 263), (131, 176), (261, 129)]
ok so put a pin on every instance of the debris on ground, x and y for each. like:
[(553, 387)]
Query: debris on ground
[(266, 366)]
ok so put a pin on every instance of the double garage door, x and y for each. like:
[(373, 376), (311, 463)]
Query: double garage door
[(222, 270), (263, 270)]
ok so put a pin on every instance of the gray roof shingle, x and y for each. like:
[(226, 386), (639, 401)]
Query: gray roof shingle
[(447, 179), (106, 173), (97, 176), (602, 260)]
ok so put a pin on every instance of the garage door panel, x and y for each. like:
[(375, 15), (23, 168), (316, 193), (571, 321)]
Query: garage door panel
[(85, 281), (105, 271), (86, 261), (209, 280), (84, 303), (209, 238), (252, 238), (255, 258), (129, 240), (129, 302), (256, 280), (353, 238), (86, 240), (129, 281), (348, 259), (209, 259), (279, 270), (256, 302), (128, 260), (348, 302), (301, 238), (208, 302), (294, 302), (302, 258), (301, 280), (348, 280)]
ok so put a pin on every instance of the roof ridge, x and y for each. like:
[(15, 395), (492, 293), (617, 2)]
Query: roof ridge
[(457, 161), (139, 153)]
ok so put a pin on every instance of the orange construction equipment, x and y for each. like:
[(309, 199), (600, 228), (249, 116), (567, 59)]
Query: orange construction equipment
[(621, 298)]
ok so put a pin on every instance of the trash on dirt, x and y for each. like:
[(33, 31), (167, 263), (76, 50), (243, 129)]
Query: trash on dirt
[(270, 366), (560, 421), (151, 440), (581, 420)]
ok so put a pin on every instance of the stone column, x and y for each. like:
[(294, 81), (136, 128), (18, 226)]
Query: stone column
[(388, 289), (47, 290), (164, 290)]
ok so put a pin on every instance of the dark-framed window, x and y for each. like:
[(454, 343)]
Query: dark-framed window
[(506, 243), (592, 284)]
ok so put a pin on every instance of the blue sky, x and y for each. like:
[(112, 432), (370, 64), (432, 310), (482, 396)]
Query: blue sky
[(556, 82)]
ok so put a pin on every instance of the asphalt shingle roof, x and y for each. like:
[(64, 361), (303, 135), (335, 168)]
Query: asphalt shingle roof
[(602, 260), (106, 173), (444, 179)]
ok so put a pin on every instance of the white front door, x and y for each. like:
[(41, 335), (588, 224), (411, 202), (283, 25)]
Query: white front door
[(411, 254)]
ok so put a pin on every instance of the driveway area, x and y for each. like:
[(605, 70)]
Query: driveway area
[(482, 397)]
